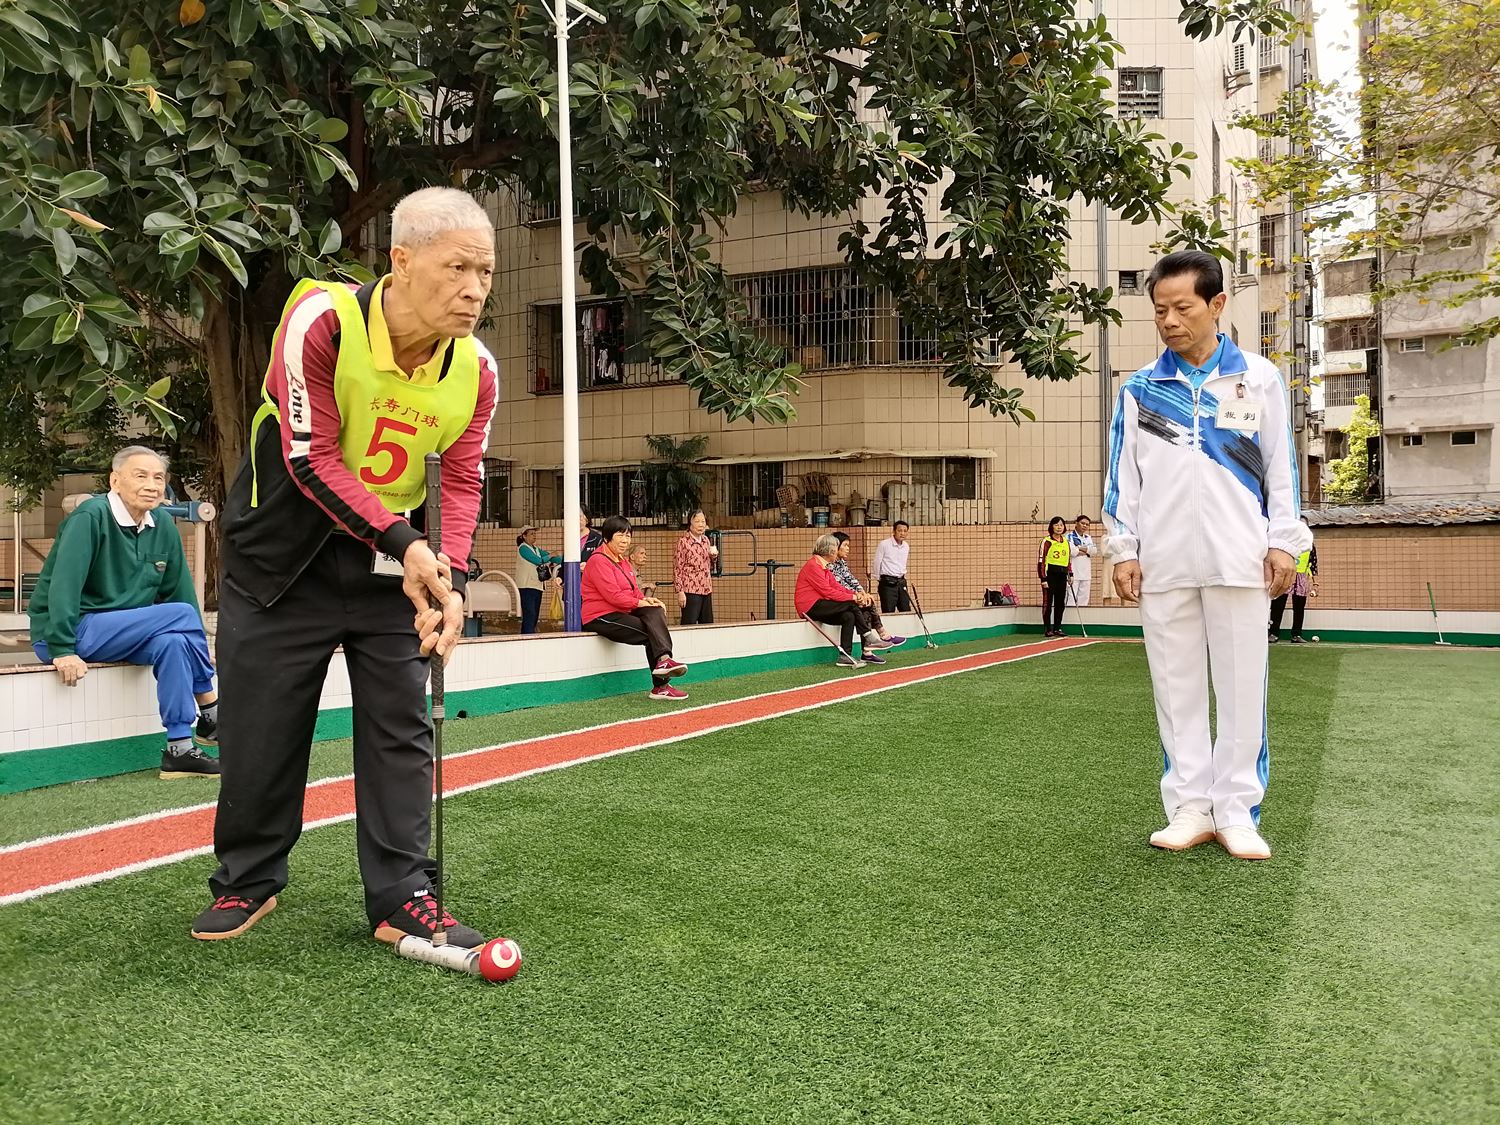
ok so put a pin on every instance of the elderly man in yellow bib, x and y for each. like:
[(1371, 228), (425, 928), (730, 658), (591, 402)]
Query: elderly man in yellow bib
[(323, 547)]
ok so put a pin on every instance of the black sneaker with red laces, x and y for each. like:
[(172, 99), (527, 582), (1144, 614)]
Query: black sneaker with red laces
[(417, 916), (230, 916)]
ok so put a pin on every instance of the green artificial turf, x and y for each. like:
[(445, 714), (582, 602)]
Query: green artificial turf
[(80, 804), (931, 905)]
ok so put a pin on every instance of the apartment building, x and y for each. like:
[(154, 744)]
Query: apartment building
[(1437, 398), (876, 427), (1287, 282), (1351, 347)]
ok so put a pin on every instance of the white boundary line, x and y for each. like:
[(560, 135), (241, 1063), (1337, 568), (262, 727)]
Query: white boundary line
[(875, 689)]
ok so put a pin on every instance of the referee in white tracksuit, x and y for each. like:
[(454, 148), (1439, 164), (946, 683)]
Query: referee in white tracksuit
[(1203, 519)]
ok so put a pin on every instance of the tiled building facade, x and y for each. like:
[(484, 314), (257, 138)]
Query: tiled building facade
[(874, 412)]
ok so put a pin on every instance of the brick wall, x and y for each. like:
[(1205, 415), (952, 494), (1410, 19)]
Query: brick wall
[(1360, 568)]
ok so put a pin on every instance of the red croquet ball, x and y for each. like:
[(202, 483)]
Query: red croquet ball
[(499, 959)]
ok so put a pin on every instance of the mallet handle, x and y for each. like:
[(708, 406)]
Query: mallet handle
[(434, 466)]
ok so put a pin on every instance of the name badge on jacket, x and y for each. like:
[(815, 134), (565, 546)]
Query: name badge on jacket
[(1239, 414), (388, 565)]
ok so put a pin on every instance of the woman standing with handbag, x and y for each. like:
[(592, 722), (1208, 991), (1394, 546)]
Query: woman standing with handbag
[(692, 572), (1053, 567), (533, 574)]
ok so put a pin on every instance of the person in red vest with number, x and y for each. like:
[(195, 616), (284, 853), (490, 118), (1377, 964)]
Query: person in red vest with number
[(323, 547)]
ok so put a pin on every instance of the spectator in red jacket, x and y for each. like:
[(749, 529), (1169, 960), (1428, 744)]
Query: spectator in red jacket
[(820, 597), (615, 607)]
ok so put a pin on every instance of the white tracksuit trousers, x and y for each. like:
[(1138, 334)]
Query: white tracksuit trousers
[(1082, 582), (1188, 632)]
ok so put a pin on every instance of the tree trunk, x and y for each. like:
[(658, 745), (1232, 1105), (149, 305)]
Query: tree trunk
[(226, 389), (236, 347)]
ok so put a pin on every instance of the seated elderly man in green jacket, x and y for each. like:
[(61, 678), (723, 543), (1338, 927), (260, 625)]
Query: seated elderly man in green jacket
[(116, 588)]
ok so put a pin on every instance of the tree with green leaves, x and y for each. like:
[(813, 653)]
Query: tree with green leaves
[(1350, 481), (1403, 165), (169, 168)]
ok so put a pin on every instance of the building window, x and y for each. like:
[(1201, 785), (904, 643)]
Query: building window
[(1411, 441), (1463, 437), (820, 317), (1268, 55), (958, 477), (1413, 344), (494, 502), (1139, 93), (601, 494), (1270, 330), (1270, 243), (612, 351), (1341, 390), (604, 492), (1130, 281), (1244, 263), (1349, 279), (1354, 335), (1240, 65), (753, 486)]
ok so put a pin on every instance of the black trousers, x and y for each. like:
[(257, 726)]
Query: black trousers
[(1299, 611), (272, 663), (699, 610), (644, 626), (842, 614), (867, 619), (1055, 597), (893, 595)]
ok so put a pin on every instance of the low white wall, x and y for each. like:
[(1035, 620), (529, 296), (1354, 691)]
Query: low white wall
[(117, 701)]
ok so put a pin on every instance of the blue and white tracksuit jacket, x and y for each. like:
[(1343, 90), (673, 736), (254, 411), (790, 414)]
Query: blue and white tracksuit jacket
[(1199, 507)]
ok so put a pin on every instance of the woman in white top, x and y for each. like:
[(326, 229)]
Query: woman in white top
[(1082, 545), (533, 572)]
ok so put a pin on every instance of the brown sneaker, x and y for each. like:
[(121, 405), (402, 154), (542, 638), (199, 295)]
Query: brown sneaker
[(230, 916)]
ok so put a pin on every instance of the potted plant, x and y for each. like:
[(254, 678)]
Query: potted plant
[(674, 486)]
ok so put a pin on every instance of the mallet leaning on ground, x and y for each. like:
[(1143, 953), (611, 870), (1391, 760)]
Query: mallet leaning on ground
[(500, 958)]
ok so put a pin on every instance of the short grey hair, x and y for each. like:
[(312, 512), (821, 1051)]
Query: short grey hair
[(424, 215), (138, 451), (826, 546)]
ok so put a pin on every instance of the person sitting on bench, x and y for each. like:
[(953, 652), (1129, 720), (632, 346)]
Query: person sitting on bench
[(615, 607), (116, 587), (821, 598)]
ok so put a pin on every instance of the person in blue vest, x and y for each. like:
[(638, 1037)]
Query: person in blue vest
[(323, 550), (1202, 509)]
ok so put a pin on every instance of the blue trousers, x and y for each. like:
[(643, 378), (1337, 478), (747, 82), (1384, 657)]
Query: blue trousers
[(169, 637), (531, 610)]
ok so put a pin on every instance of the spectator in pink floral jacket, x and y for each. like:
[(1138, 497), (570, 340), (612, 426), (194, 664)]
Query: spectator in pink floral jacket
[(692, 572)]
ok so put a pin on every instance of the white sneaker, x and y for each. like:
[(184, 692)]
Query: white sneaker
[(1188, 829), (1244, 842)]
